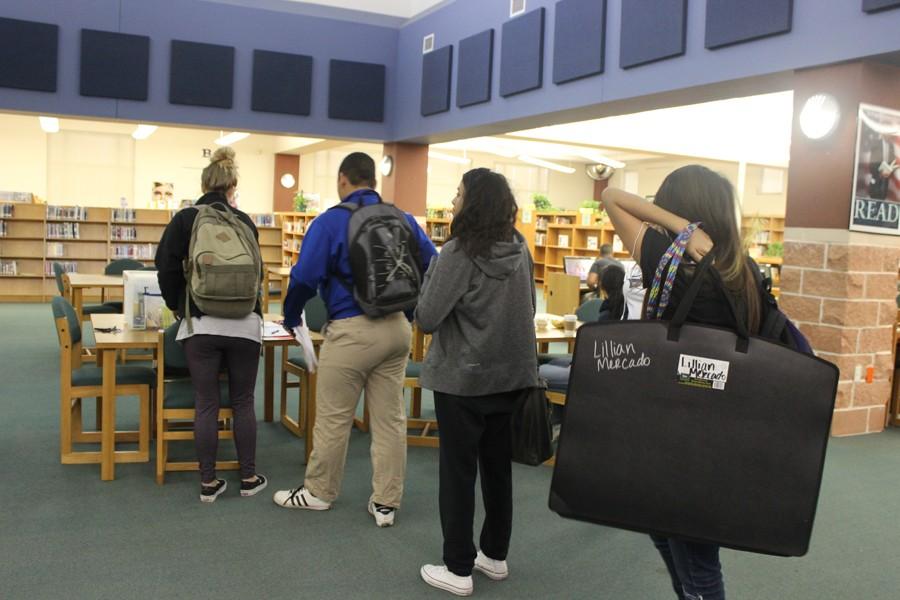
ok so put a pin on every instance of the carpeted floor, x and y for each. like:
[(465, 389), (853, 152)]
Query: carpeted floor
[(66, 534)]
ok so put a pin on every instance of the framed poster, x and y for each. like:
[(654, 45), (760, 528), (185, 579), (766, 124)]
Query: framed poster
[(875, 204)]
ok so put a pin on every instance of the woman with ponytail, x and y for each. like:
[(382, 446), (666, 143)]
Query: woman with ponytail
[(697, 205)]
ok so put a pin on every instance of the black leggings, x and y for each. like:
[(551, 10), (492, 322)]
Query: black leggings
[(205, 355)]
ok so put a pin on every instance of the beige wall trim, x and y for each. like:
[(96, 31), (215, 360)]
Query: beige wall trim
[(839, 236)]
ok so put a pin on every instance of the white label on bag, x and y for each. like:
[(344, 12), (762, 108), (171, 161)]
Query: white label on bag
[(707, 373)]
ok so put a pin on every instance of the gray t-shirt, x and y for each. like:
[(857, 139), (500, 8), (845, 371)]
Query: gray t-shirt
[(602, 263), (249, 327)]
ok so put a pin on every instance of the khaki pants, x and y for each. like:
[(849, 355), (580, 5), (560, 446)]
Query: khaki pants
[(361, 353)]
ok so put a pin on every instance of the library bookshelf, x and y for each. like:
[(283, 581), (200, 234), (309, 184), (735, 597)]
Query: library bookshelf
[(85, 240), (437, 225), (557, 234), (293, 230)]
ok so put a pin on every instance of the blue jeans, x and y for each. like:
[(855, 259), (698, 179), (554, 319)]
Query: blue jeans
[(694, 568)]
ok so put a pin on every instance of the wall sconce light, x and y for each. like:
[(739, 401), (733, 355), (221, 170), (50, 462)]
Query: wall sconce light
[(387, 165), (819, 116)]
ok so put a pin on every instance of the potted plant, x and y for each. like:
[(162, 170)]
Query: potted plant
[(300, 202), (541, 202)]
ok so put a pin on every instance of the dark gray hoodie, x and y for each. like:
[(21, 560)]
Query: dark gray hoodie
[(481, 313)]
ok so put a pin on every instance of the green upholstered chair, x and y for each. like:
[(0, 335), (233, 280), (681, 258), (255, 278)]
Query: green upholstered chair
[(175, 410), (589, 310), (293, 363), (78, 382), (117, 267)]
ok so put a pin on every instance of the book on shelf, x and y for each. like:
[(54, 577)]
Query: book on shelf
[(540, 239), (263, 220), (541, 224), (124, 215), (67, 213), (3, 229), (6, 211), (68, 266), (55, 249), (592, 242), (135, 251), (8, 268), (562, 240), (63, 231), (122, 233), (617, 244), (559, 220), (439, 232), (19, 197)]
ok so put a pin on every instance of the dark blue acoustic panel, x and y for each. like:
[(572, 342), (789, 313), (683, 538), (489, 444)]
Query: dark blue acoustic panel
[(735, 21), (875, 5), (579, 41), (28, 55), (114, 65), (436, 69), (522, 53), (652, 30), (201, 74), (356, 91), (282, 83), (475, 68)]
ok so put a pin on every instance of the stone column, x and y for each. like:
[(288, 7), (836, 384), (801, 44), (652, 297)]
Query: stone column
[(838, 285)]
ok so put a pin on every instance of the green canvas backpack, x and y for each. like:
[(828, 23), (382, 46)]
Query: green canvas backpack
[(223, 269)]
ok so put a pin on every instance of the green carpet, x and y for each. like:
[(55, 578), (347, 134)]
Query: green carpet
[(66, 534)]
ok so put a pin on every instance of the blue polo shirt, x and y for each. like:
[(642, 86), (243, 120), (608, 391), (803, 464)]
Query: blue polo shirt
[(324, 257)]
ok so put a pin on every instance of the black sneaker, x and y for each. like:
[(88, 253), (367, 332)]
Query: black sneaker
[(249, 488), (209, 493)]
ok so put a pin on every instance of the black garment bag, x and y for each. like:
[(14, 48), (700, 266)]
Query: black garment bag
[(695, 432)]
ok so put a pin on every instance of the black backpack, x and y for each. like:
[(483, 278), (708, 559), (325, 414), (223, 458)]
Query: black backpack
[(384, 259), (773, 324)]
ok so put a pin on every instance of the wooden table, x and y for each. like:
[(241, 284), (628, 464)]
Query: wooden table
[(107, 345), (551, 334), (283, 274), (80, 281)]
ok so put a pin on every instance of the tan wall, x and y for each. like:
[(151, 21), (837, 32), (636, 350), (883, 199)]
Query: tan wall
[(23, 156), (652, 172)]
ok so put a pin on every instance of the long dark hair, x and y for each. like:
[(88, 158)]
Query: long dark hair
[(611, 281), (700, 194), (488, 213)]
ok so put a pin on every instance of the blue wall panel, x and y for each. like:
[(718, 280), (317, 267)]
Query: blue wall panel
[(356, 91), (28, 55), (876, 5), (201, 74), (522, 53), (437, 66), (579, 39), (114, 65), (475, 69), (652, 30), (735, 21), (282, 83)]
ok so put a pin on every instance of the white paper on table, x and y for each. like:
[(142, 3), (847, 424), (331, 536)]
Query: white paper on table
[(301, 334)]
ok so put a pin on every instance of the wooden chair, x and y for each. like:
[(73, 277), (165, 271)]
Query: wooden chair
[(65, 290), (175, 410), (293, 363), (77, 382)]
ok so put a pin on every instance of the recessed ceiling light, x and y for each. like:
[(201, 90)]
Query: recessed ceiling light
[(49, 124), (231, 138), (142, 132)]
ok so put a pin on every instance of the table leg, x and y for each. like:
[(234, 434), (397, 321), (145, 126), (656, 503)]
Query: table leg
[(310, 413), (108, 434), (269, 384), (78, 301)]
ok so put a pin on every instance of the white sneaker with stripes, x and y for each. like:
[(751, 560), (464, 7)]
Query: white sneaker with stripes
[(299, 498)]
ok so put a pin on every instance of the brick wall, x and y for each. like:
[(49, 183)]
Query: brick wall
[(842, 296)]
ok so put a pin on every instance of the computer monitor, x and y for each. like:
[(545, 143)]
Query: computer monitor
[(578, 265)]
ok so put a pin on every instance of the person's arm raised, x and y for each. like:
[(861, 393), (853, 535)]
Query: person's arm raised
[(629, 212)]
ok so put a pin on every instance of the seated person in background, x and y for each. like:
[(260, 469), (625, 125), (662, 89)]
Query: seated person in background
[(605, 260)]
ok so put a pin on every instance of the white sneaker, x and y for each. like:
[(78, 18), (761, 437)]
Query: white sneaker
[(442, 578), (384, 515), (299, 498), (495, 569)]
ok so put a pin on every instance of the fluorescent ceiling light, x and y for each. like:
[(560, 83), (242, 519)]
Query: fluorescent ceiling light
[(49, 124), (142, 132), (546, 164), (231, 138), (450, 158)]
